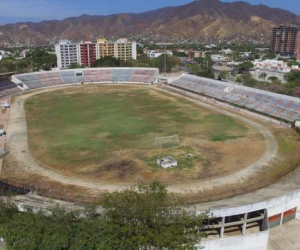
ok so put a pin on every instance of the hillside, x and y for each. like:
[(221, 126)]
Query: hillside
[(201, 20)]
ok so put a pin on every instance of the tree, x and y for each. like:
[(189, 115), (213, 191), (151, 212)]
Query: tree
[(180, 54), (74, 66), (159, 62), (21, 65), (41, 58), (223, 75), (207, 74), (276, 88), (139, 50), (296, 91), (248, 80), (257, 56), (147, 216), (293, 76), (7, 65), (142, 217), (239, 79), (233, 73), (270, 56), (263, 75), (32, 231), (107, 61), (273, 79), (246, 66), (128, 63)]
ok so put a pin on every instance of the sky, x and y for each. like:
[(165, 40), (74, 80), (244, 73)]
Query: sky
[(37, 10)]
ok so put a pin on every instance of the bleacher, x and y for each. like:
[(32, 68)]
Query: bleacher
[(98, 75), (86, 75), (91, 75), (50, 78), (80, 79), (68, 76), (8, 88), (121, 75), (31, 81), (144, 75), (268, 103)]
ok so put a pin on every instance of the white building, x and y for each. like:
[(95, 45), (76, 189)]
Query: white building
[(245, 54), (226, 51), (167, 162), (24, 52), (274, 68), (210, 46), (218, 58), (66, 53), (4, 54), (155, 54), (272, 65)]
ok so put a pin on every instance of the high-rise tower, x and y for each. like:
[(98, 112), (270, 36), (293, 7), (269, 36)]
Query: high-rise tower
[(286, 40)]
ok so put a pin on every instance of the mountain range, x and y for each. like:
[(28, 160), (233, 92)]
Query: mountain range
[(200, 20)]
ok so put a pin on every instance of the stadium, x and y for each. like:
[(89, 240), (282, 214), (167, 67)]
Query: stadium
[(236, 147)]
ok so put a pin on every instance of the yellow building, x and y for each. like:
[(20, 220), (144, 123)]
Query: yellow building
[(122, 49)]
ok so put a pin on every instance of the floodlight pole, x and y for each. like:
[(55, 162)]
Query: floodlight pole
[(165, 58)]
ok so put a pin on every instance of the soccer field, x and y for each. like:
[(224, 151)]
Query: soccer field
[(109, 134)]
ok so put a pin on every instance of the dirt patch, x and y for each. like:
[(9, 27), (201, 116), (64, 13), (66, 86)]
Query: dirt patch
[(117, 170)]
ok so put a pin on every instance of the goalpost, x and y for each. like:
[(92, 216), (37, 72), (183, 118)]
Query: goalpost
[(166, 141), (91, 89)]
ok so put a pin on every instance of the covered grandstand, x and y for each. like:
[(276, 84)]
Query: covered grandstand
[(8, 88), (270, 104), (90, 75)]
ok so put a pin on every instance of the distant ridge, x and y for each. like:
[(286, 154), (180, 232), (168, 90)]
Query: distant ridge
[(201, 20)]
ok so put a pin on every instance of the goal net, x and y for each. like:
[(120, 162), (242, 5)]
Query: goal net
[(167, 141), (91, 89)]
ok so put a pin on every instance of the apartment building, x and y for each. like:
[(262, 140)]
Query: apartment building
[(286, 40), (86, 53), (66, 53), (104, 48), (125, 50)]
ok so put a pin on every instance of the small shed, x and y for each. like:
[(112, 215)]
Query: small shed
[(2, 132), (5, 105), (167, 162)]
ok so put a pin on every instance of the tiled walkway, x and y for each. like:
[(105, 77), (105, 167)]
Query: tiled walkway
[(285, 236)]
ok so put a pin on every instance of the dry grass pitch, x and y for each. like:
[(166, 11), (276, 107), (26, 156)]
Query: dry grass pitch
[(108, 135)]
